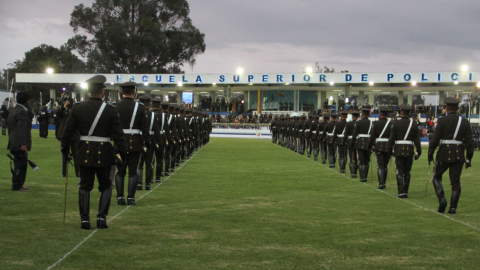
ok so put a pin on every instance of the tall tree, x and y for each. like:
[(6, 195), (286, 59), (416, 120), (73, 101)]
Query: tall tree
[(136, 36), (37, 60)]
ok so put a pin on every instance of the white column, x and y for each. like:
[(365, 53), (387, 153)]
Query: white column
[(361, 98), (371, 98), (179, 96), (410, 98), (400, 97), (441, 98), (246, 97)]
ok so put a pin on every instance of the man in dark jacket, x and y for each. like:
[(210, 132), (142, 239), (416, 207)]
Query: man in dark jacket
[(352, 155), (378, 142), (454, 135), (361, 136), (20, 140), (329, 137), (97, 123)]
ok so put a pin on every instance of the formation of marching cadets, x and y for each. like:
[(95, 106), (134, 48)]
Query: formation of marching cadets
[(356, 140), (150, 138)]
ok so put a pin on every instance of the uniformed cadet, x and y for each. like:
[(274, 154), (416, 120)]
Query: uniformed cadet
[(97, 123), (340, 141), (137, 136), (329, 137), (62, 114), (378, 142), (160, 109), (453, 135), (321, 139), (4, 113), (308, 142), (181, 136), (361, 136), (352, 153), (403, 137), (190, 126), (186, 132), (300, 134), (148, 157), (172, 140), (43, 120), (274, 130), (313, 136)]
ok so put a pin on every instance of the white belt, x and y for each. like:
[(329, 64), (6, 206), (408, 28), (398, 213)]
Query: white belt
[(94, 139), (307, 129), (363, 136), (162, 132), (131, 131), (341, 136), (404, 142), (329, 134), (350, 137), (450, 142), (300, 130), (314, 131), (381, 140), (152, 132), (320, 132)]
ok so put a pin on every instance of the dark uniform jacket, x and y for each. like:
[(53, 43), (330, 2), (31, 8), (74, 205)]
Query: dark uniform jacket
[(179, 125), (339, 132), (19, 128), (273, 126), (154, 129), (445, 130), (308, 125), (349, 129), (362, 127), (162, 118), (89, 153), (399, 129), (328, 133), (300, 129), (313, 133), (321, 128), (62, 116), (172, 127), (125, 110), (377, 129)]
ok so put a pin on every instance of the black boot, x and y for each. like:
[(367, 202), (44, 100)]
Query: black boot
[(381, 183), (119, 184), (454, 201), (361, 169), (315, 154), (331, 161), (132, 183), (400, 186), (140, 180), (158, 170), (355, 170), (148, 178), (406, 185), (341, 162), (84, 205), (365, 171), (103, 207), (437, 185)]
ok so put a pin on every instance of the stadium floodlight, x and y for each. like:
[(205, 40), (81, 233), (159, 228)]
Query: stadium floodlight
[(145, 83), (83, 85), (464, 68), (332, 83), (214, 83), (371, 83), (309, 70), (49, 70), (456, 82), (414, 83), (478, 84), (180, 84), (239, 70)]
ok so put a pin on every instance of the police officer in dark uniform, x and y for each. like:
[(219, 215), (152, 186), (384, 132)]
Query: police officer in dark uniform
[(340, 140), (172, 139), (453, 135), (181, 135), (137, 136), (308, 142), (190, 121), (321, 138), (300, 131), (312, 136), (378, 141), (361, 136), (62, 114), (43, 120), (4, 114), (329, 137), (274, 130), (403, 137), (96, 123), (148, 157), (186, 134), (160, 109), (351, 152)]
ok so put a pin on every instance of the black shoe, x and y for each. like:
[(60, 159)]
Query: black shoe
[(442, 206), (161, 174), (342, 171), (452, 211), (354, 176), (315, 159), (401, 196), (177, 164), (405, 195), (121, 201), (183, 160), (172, 170), (85, 225), (147, 187), (101, 223), (363, 180), (381, 187), (158, 180), (167, 174), (131, 201), (139, 187)]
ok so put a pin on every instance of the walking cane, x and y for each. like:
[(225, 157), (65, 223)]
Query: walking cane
[(426, 187)]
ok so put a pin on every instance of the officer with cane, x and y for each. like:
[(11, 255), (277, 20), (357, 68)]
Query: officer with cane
[(97, 123), (453, 135), (378, 142)]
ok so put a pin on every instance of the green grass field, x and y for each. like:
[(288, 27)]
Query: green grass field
[(239, 204)]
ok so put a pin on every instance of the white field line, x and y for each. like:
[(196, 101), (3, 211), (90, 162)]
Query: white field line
[(379, 190), (90, 235)]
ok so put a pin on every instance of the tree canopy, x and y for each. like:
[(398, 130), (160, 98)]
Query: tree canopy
[(136, 36)]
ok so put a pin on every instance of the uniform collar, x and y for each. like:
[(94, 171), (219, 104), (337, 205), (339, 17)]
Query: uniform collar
[(95, 98)]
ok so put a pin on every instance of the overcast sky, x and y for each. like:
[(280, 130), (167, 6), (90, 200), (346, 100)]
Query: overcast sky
[(270, 36)]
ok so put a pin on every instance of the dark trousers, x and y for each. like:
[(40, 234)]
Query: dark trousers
[(159, 158), (44, 128), (148, 159), (4, 126), (363, 157), (455, 171), (168, 154), (87, 178), (342, 156), (74, 147), (20, 166), (382, 159), (403, 165), (133, 159), (323, 149)]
